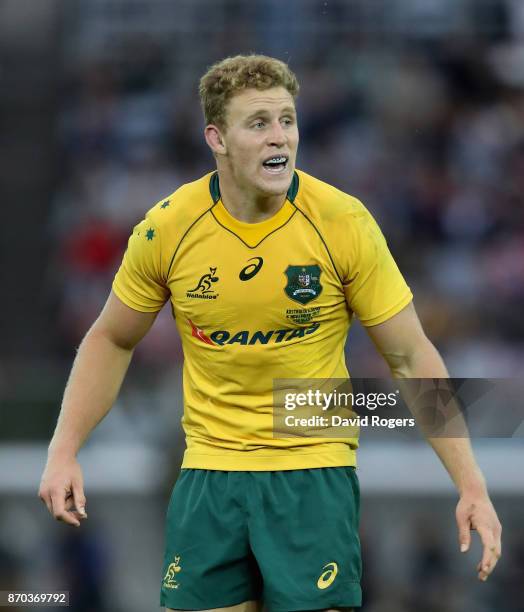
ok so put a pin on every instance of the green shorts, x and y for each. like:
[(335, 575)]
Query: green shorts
[(289, 538)]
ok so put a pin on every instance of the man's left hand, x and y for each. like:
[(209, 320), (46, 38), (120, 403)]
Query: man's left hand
[(476, 512)]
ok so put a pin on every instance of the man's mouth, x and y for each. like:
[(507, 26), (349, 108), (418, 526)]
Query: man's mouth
[(276, 164)]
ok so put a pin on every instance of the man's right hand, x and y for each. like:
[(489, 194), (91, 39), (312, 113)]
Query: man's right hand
[(62, 489)]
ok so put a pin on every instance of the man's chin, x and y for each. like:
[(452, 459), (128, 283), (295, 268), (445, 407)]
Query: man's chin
[(275, 185)]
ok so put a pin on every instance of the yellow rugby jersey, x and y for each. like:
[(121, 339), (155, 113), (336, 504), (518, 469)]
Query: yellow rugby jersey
[(254, 302)]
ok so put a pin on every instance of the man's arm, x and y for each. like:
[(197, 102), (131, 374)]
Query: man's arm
[(95, 380), (409, 354)]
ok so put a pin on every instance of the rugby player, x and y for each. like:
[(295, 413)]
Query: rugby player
[(264, 267)]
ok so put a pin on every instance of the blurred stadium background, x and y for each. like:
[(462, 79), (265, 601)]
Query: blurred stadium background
[(414, 106)]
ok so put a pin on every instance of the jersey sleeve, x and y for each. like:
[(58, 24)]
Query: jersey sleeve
[(139, 282), (374, 286)]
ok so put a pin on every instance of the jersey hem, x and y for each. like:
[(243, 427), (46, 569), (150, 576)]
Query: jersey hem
[(242, 461)]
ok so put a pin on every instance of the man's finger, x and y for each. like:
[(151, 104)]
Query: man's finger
[(71, 508), (79, 499), (59, 511), (489, 560), (488, 544), (46, 499), (464, 533), (489, 554)]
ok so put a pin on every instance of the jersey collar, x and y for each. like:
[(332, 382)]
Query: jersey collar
[(252, 234), (214, 187)]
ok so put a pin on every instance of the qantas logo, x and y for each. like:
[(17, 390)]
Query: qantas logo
[(196, 332), (246, 337)]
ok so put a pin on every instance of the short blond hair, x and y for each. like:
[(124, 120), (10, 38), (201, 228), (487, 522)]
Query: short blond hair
[(234, 74)]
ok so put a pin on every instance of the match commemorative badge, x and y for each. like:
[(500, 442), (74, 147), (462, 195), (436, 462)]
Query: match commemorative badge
[(303, 283)]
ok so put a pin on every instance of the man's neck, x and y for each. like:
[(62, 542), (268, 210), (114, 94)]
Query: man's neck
[(248, 207)]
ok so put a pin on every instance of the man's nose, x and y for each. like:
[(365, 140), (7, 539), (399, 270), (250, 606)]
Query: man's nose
[(277, 135)]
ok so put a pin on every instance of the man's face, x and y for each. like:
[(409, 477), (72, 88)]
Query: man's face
[(261, 140)]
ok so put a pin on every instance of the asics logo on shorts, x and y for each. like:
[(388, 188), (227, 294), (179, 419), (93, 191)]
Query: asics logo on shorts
[(328, 575)]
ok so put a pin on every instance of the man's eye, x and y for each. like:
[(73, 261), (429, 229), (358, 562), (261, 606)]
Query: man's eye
[(287, 121), (258, 124)]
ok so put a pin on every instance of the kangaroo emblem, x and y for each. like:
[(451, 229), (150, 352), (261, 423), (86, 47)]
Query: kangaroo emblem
[(204, 284), (169, 578)]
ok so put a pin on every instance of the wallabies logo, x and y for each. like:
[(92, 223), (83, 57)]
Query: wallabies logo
[(169, 579), (204, 289)]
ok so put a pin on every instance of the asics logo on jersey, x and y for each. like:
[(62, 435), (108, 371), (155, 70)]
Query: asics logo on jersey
[(328, 575), (251, 269), (204, 288)]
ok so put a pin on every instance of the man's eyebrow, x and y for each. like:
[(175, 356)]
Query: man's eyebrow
[(262, 112)]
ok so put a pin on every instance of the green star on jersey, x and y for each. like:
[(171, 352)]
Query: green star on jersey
[(165, 204), (150, 234)]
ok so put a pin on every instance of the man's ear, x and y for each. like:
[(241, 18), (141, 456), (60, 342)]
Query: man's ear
[(215, 140)]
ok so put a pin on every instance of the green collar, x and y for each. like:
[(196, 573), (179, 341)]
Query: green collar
[(214, 188)]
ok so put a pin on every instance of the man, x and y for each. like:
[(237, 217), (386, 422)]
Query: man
[(264, 267)]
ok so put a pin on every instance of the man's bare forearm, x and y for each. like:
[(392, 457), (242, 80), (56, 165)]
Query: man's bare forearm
[(96, 378), (94, 382), (455, 452), (410, 355), (457, 456)]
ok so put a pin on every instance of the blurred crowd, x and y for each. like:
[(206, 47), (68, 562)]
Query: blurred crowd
[(418, 110), (416, 107)]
